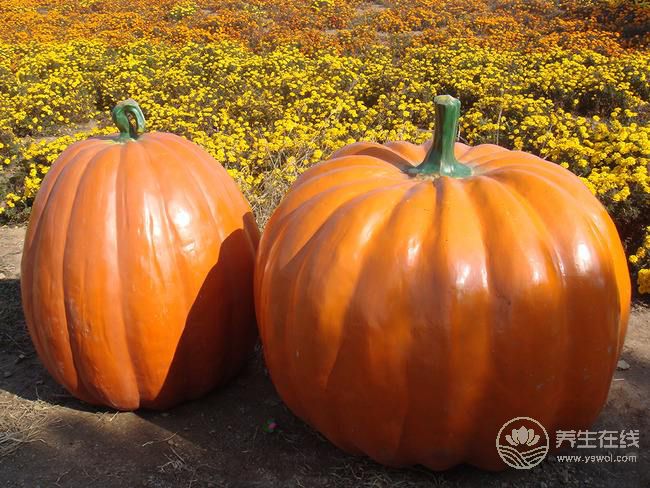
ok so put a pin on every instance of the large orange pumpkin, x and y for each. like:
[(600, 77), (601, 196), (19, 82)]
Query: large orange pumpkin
[(412, 299), (137, 272)]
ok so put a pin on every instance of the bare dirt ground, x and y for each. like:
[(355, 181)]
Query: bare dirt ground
[(47, 438)]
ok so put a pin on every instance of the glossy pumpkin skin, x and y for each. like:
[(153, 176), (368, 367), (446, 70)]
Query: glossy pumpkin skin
[(137, 272), (409, 317)]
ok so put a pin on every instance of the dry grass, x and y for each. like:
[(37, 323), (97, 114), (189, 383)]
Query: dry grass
[(275, 186), (367, 474), (21, 422)]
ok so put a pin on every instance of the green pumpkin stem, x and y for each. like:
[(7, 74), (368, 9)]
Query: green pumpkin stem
[(440, 159), (129, 119)]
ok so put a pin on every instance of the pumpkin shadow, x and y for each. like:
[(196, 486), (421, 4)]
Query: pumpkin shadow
[(226, 299)]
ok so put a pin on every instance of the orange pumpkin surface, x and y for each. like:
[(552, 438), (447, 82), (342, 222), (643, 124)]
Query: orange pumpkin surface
[(137, 269), (412, 299)]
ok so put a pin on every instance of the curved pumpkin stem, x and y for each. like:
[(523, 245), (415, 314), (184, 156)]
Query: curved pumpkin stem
[(130, 127), (440, 159)]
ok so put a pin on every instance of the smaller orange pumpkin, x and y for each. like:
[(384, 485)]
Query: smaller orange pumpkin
[(137, 269)]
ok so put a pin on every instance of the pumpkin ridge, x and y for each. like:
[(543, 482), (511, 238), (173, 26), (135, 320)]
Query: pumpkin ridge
[(138, 378), (225, 212), (327, 167), (549, 245), (351, 201), (133, 337), (170, 158), (323, 177), (484, 150), (461, 156), (492, 393), (498, 157), (372, 147), (171, 241), (34, 230), (46, 188), (473, 451), (225, 205), (79, 159), (346, 184), (302, 255), (122, 181), (286, 340), (435, 243), (315, 248), (276, 224), (469, 446), (402, 210), (27, 275), (599, 236), (230, 195), (604, 226), (456, 398), (380, 165), (621, 277), (176, 156), (574, 338), (406, 150), (184, 144), (542, 174), (401, 448), (83, 382), (577, 336)]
